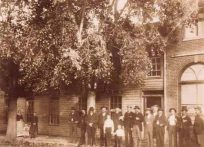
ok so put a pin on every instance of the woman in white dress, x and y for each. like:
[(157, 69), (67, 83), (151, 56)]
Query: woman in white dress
[(20, 124)]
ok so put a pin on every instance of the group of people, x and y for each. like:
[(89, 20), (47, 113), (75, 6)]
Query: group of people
[(25, 129), (136, 127)]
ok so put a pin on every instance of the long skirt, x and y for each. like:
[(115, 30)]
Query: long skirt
[(20, 128)]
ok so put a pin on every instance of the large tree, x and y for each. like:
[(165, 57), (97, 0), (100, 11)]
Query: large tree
[(48, 44)]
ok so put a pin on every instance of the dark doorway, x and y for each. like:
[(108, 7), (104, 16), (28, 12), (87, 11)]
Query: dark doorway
[(153, 100)]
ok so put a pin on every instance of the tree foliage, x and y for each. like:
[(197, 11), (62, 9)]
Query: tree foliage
[(51, 43)]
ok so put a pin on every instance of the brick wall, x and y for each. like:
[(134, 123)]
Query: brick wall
[(179, 57)]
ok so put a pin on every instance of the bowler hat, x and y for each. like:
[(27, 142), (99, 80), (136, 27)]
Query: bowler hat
[(160, 109), (198, 108)]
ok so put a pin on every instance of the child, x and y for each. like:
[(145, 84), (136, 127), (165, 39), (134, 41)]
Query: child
[(119, 135), (108, 130)]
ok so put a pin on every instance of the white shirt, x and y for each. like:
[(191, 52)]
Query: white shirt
[(172, 120), (120, 132), (109, 124)]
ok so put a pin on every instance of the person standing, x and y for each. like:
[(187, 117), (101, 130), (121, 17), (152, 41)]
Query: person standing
[(34, 126), (91, 121), (108, 130), (73, 122), (119, 133), (117, 120), (184, 128), (160, 123), (82, 125), (127, 125), (101, 118), (172, 125), (199, 127), (20, 123), (155, 109), (148, 127), (137, 127)]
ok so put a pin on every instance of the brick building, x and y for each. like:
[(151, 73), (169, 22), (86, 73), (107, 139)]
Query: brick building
[(176, 79)]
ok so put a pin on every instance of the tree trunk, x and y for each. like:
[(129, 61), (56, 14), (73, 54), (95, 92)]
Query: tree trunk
[(12, 125), (91, 100)]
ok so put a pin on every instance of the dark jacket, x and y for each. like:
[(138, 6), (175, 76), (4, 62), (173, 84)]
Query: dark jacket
[(101, 119), (128, 119), (74, 117), (116, 119), (198, 125), (160, 121), (91, 119), (138, 118), (185, 122)]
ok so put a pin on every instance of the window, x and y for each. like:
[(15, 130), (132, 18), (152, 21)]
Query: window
[(192, 86), (30, 110), (116, 102), (156, 67), (54, 111)]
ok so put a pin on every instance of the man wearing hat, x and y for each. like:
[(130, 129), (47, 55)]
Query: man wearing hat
[(101, 119), (127, 125), (148, 127), (160, 123), (199, 127), (172, 123), (137, 121), (117, 120), (184, 128), (91, 122), (73, 122)]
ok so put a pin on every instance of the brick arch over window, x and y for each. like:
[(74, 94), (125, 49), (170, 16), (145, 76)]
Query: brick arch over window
[(192, 86)]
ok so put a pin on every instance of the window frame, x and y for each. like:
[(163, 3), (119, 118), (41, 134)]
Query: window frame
[(149, 75), (116, 101)]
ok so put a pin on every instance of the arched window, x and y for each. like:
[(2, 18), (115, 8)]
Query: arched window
[(192, 86)]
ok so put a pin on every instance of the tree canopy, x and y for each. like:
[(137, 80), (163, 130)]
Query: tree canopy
[(46, 44)]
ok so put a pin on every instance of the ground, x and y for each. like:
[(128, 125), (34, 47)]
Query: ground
[(40, 141)]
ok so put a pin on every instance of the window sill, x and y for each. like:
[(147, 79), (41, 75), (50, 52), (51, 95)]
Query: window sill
[(193, 38), (153, 77), (54, 125)]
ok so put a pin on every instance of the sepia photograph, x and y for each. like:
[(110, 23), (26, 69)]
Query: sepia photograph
[(101, 73)]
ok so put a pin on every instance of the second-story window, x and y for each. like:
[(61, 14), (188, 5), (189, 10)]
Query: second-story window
[(155, 67)]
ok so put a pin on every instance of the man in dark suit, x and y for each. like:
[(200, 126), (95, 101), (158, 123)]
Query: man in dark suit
[(101, 118), (117, 120), (199, 127), (34, 126), (137, 121), (127, 125), (82, 125), (73, 122), (184, 128), (160, 123)]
